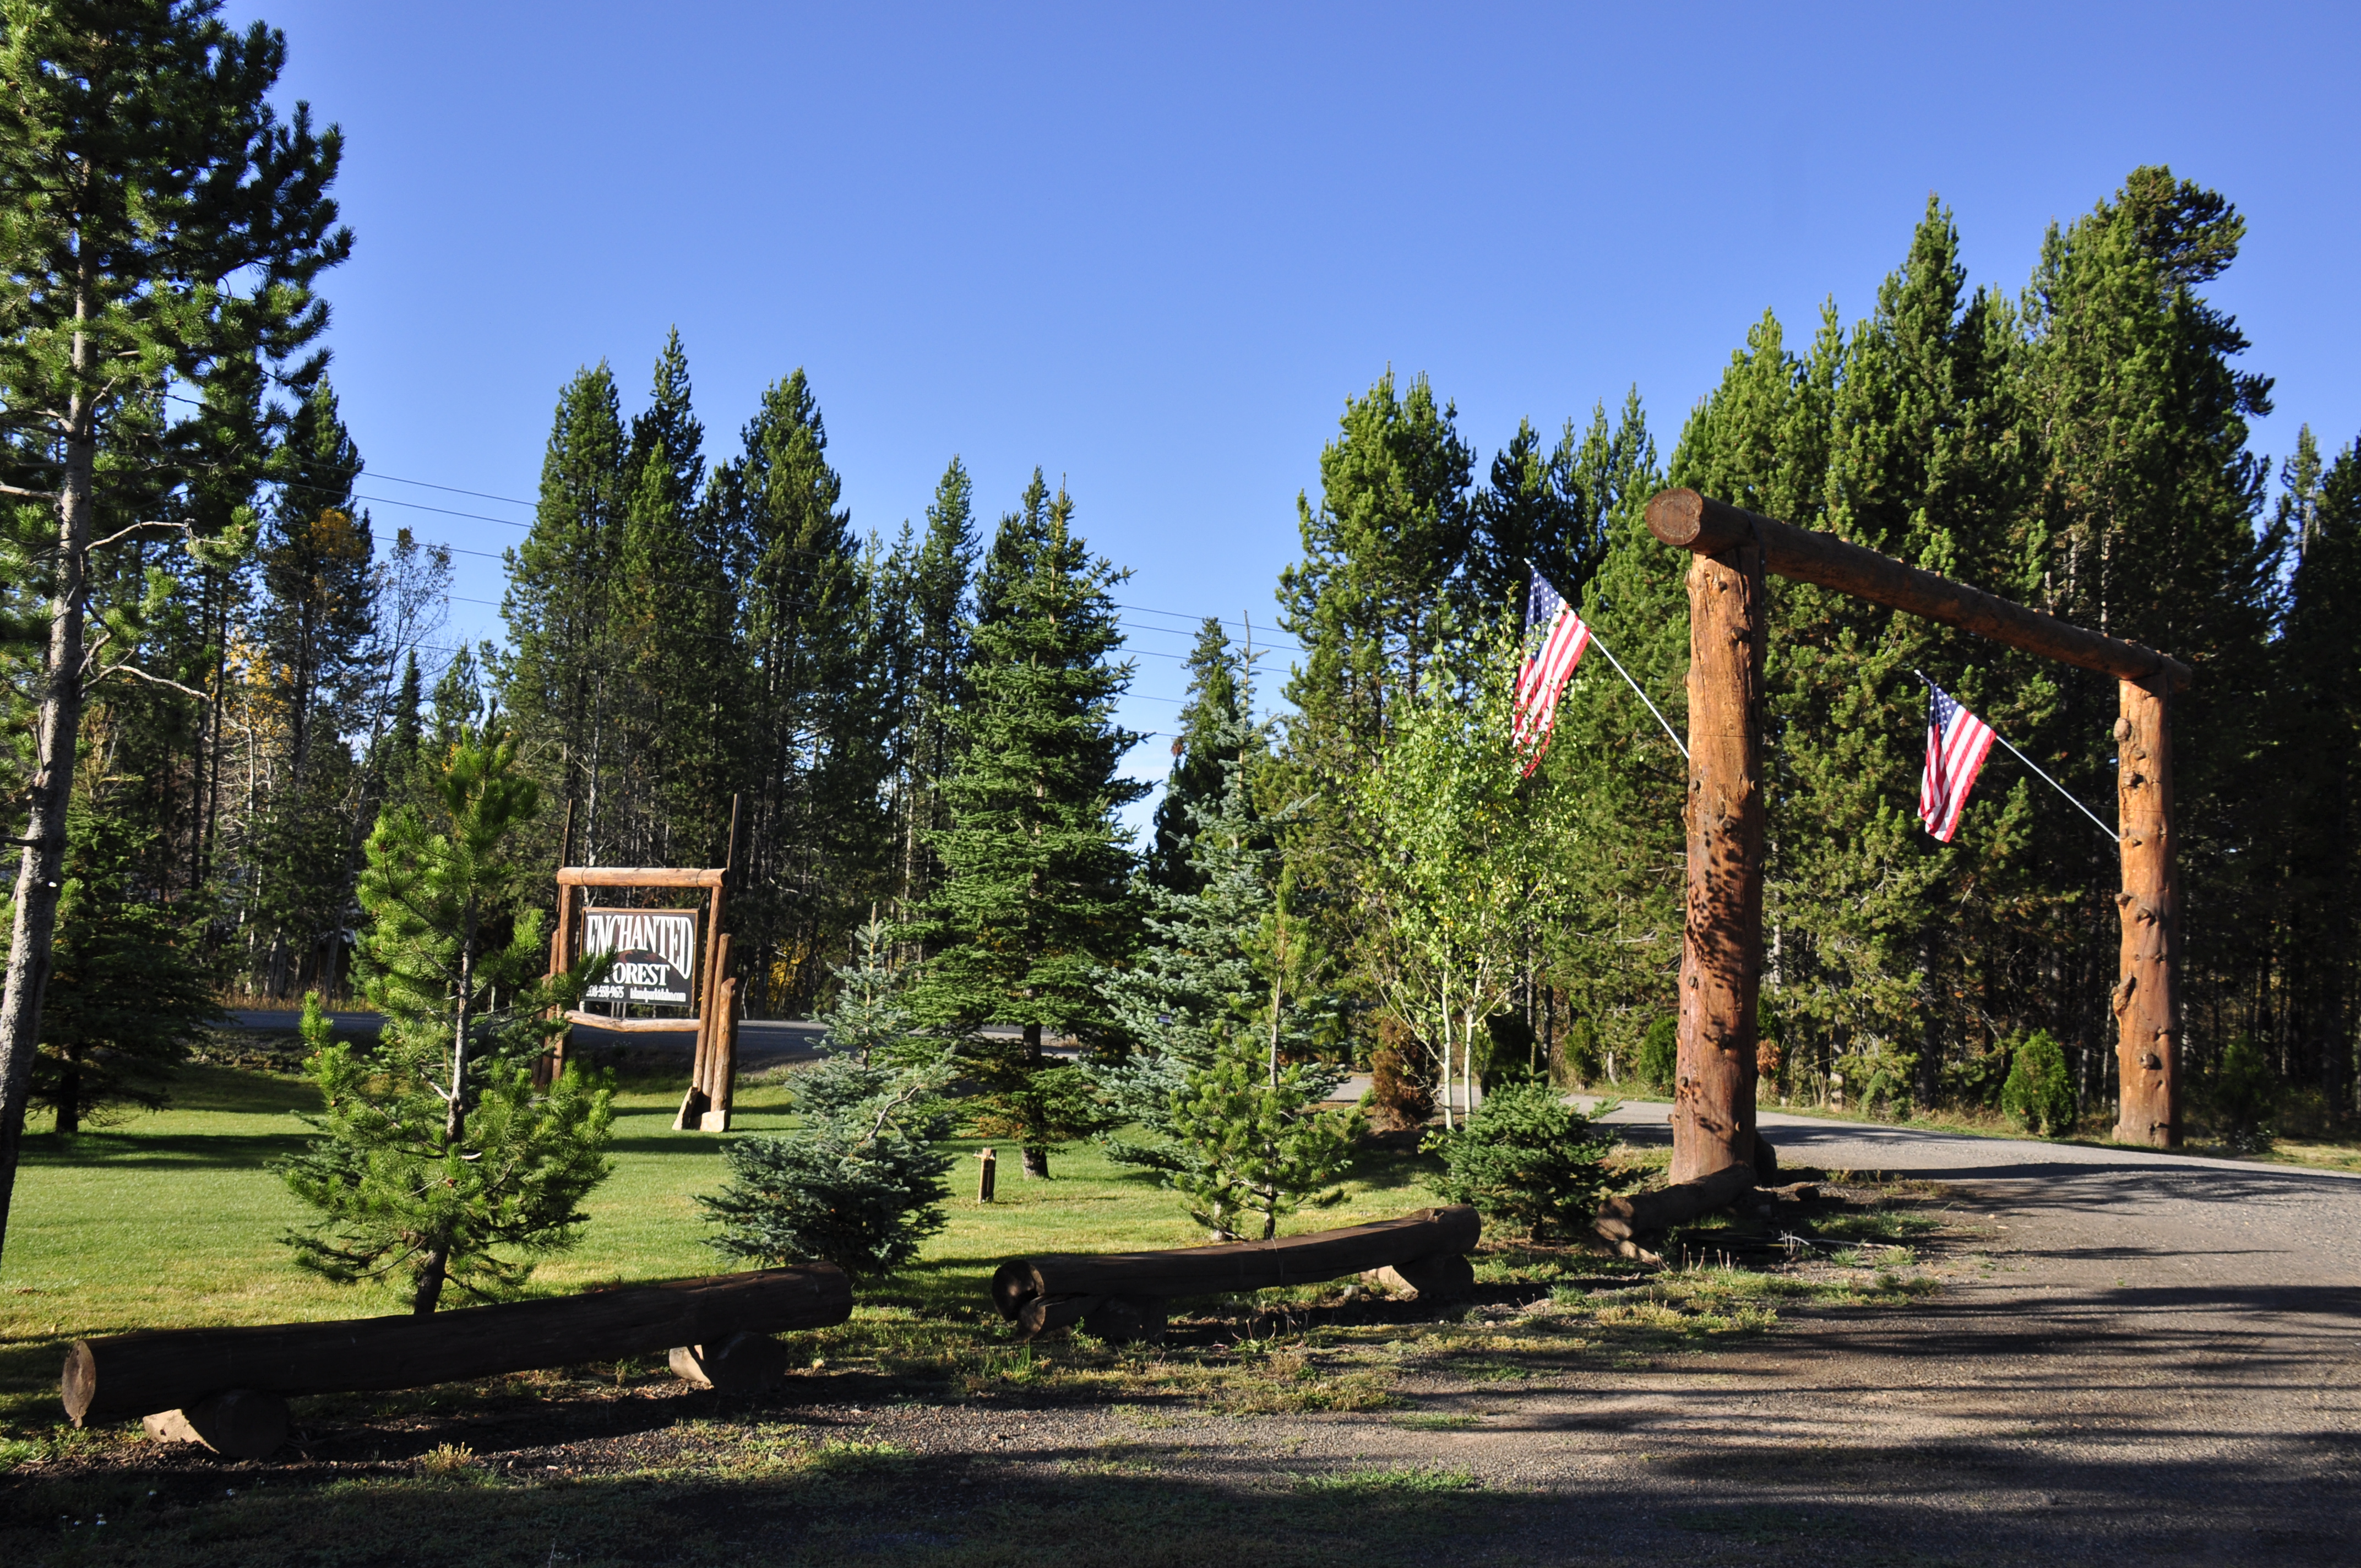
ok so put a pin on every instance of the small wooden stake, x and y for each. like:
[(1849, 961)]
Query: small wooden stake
[(984, 1182)]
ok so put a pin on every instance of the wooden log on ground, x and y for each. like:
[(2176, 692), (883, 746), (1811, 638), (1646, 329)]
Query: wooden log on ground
[(239, 1423), (1620, 1219), (1687, 521), (1233, 1265), (163, 1369), (742, 1364)]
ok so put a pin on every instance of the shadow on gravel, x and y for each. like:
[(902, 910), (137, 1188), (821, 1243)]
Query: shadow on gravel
[(792, 1494)]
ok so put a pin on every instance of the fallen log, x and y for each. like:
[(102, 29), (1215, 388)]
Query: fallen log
[(1056, 1279), (165, 1369), (1620, 1219)]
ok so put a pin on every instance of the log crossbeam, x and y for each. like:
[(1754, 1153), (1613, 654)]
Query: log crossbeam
[(1721, 957), (1687, 521)]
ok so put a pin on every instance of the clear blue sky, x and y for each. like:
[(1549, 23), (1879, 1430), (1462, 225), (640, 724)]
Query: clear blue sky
[(1153, 249)]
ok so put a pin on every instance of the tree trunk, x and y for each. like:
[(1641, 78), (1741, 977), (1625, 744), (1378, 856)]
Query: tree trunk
[(1721, 937), (69, 1096), (1033, 1162), (56, 729), (423, 1299), (2147, 998)]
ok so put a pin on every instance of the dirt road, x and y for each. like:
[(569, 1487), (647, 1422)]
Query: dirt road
[(2135, 1358)]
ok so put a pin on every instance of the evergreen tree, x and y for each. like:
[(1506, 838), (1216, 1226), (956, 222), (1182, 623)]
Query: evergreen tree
[(1250, 1149), (131, 990), (1035, 902), (860, 1185), (934, 592), (1215, 731), (161, 222), (560, 687), (2316, 755), (439, 1161), (820, 837)]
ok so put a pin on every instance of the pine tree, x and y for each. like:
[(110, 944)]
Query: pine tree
[(937, 593), (161, 221), (1615, 955), (1215, 731), (1035, 902), (439, 1162), (316, 626), (131, 990), (820, 838), (560, 688), (1250, 1148), (1220, 964), (2316, 753)]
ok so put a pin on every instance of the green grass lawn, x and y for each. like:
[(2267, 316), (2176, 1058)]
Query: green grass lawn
[(173, 1219)]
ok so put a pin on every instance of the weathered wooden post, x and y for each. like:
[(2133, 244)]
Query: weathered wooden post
[(1721, 925), (2147, 998)]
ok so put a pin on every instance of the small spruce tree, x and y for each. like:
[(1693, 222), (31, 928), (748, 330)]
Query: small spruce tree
[(2037, 1092), (1525, 1157), (439, 1162), (130, 991), (1250, 1146), (861, 1184)]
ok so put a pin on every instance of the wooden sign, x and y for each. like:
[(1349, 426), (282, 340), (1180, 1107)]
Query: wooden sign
[(656, 955)]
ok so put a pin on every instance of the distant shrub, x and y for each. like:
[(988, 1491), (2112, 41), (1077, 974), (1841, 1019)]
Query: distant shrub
[(2243, 1094), (1573, 1059), (1658, 1059), (2037, 1092), (1526, 1160), (1397, 1099)]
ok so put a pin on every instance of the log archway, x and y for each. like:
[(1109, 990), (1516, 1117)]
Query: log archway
[(1733, 554)]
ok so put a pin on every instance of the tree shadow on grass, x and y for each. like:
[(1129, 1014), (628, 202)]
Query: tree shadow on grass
[(201, 1151)]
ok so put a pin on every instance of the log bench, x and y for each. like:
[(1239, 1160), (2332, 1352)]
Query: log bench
[(227, 1388), (1120, 1296)]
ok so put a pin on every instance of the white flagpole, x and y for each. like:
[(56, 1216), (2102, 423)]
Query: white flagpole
[(1628, 681)]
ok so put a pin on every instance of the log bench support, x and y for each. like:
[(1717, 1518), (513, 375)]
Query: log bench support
[(1120, 1297), (219, 1387), (1721, 938)]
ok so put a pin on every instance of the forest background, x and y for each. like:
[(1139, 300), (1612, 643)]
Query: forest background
[(689, 620)]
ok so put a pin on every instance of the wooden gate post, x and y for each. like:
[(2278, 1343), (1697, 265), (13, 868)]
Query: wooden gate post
[(2147, 993), (1722, 928)]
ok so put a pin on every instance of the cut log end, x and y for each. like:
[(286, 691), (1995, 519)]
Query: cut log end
[(237, 1424)]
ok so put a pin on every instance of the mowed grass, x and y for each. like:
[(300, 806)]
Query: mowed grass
[(174, 1219)]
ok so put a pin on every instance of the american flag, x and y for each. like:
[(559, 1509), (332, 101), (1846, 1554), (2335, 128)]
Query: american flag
[(1956, 743), (1543, 673)]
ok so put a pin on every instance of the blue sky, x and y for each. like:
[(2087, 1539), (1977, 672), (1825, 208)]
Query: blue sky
[(1153, 249)]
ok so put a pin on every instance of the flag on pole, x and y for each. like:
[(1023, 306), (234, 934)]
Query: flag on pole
[(1956, 743), (1547, 666)]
